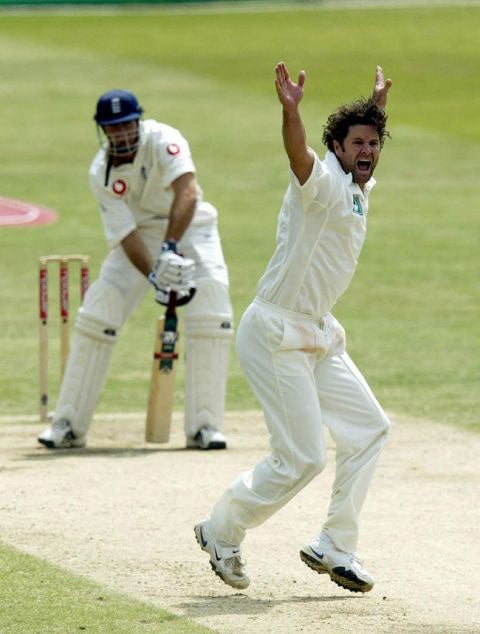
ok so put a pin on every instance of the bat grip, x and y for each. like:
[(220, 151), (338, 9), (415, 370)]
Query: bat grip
[(172, 304)]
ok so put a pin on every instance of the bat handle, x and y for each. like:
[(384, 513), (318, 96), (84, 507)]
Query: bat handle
[(172, 304)]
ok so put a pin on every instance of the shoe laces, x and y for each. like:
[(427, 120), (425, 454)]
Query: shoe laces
[(234, 560), (355, 560), (236, 563)]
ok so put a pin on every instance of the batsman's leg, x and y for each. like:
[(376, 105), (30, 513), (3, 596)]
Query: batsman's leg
[(96, 331), (208, 335)]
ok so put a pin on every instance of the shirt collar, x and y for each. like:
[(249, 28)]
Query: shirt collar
[(334, 164)]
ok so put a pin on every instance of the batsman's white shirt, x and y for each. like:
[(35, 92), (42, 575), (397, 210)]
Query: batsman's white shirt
[(292, 351), (139, 194), (321, 230)]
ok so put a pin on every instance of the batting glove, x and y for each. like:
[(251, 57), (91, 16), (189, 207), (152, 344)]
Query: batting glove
[(172, 272), (183, 297)]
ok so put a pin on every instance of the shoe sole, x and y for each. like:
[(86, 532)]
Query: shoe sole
[(46, 443), (212, 445), (343, 578), (196, 530), (49, 444)]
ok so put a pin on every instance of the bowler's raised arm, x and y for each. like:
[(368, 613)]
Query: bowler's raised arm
[(294, 136)]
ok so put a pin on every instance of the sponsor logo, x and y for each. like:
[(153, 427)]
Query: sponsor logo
[(169, 337), (64, 292), (116, 105), (43, 294), (173, 149), (119, 187), (144, 173), (357, 205), (319, 555), (16, 213)]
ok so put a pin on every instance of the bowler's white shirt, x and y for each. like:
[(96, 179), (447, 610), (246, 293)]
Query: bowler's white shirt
[(321, 231), (139, 194)]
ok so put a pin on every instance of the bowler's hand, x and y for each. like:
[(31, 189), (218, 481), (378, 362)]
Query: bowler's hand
[(289, 94), (381, 88)]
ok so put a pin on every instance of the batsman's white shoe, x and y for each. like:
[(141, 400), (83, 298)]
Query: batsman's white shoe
[(226, 561), (207, 437), (61, 436), (344, 568)]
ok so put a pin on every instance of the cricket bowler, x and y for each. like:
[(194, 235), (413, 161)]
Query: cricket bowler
[(161, 233), (293, 350)]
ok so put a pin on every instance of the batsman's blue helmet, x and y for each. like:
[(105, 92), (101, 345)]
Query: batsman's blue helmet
[(117, 106)]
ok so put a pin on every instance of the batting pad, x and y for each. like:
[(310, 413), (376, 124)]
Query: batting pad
[(208, 334), (207, 358), (89, 359)]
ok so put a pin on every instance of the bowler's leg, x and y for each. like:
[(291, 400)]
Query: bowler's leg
[(359, 428), (284, 384)]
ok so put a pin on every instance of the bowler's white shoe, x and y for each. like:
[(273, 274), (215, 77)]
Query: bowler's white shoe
[(344, 568), (61, 436), (226, 561), (207, 437)]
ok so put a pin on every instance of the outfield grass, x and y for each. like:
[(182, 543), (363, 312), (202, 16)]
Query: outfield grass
[(38, 598), (411, 312)]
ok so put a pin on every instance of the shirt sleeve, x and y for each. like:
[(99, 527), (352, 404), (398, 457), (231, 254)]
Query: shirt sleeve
[(174, 155), (316, 190), (117, 219)]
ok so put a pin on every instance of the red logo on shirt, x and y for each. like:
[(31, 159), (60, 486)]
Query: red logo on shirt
[(119, 187), (173, 149)]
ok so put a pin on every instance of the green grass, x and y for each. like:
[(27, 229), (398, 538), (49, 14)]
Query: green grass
[(38, 598), (412, 311)]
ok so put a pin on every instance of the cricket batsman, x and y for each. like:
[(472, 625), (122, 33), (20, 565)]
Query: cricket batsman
[(161, 233), (293, 350)]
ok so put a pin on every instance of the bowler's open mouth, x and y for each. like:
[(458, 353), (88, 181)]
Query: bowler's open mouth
[(364, 165)]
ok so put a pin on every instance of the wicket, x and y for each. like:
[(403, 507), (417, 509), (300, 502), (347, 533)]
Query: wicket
[(63, 263)]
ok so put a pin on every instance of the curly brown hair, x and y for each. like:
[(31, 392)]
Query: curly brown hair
[(359, 112)]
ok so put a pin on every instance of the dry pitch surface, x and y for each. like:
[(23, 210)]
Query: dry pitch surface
[(121, 512)]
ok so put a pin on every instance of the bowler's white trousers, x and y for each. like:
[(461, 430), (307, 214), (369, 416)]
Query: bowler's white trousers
[(304, 380)]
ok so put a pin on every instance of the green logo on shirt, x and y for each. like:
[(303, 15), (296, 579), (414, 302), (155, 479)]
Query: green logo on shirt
[(357, 205)]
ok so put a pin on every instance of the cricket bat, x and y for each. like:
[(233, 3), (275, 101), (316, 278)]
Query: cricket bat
[(164, 369)]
